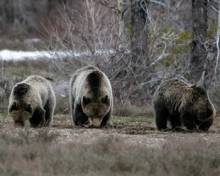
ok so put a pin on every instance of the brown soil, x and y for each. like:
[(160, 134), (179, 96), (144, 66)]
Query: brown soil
[(131, 133)]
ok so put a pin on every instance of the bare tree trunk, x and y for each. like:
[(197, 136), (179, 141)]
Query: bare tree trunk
[(218, 43), (199, 32), (139, 29), (124, 7), (132, 26), (133, 37)]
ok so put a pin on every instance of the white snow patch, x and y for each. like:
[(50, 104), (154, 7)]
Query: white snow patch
[(34, 55), (22, 55)]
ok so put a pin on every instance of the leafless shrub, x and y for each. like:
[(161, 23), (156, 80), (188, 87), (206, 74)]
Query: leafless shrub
[(93, 27), (89, 27)]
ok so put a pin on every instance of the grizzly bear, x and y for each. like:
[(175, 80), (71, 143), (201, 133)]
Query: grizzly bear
[(91, 99), (32, 100), (183, 105)]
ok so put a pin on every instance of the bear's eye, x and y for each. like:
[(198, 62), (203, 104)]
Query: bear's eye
[(28, 108), (86, 100), (105, 100), (13, 107)]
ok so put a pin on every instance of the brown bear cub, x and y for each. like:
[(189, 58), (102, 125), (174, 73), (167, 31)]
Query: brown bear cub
[(91, 99), (183, 105), (32, 99)]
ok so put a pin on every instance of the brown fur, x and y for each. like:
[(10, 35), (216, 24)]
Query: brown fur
[(182, 104), (32, 99), (91, 99)]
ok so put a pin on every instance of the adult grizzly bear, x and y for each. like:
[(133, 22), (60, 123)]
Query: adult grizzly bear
[(32, 99), (183, 104), (91, 99)]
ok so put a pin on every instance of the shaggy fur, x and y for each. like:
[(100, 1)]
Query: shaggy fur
[(182, 104), (32, 99), (91, 99)]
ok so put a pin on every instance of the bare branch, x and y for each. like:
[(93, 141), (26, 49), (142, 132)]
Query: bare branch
[(214, 8), (158, 3)]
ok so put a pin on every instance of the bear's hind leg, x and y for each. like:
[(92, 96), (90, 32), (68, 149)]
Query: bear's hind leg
[(175, 122), (49, 108), (205, 125), (188, 121), (161, 118)]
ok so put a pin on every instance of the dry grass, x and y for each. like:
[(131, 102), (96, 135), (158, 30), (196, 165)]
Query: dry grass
[(132, 110), (63, 150), (107, 156)]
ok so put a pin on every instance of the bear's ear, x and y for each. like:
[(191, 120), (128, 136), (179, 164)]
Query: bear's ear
[(21, 89), (201, 82), (13, 107)]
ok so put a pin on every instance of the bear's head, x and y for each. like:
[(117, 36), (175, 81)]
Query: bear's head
[(96, 100), (95, 108), (20, 109)]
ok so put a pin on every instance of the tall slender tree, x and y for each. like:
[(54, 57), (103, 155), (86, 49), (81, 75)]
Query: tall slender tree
[(218, 42), (199, 36), (132, 26)]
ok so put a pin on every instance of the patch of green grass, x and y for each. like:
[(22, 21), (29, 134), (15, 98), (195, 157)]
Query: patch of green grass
[(132, 119), (128, 109), (3, 116)]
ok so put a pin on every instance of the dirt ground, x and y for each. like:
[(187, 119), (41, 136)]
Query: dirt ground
[(133, 131), (132, 146)]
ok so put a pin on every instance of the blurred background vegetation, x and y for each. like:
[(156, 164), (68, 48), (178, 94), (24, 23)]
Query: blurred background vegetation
[(137, 43)]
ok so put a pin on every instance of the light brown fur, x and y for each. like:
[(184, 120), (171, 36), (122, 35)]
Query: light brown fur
[(35, 93)]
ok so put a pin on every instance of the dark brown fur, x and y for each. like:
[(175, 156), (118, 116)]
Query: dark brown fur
[(21, 89), (91, 99), (94, 82), (182, 104)]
